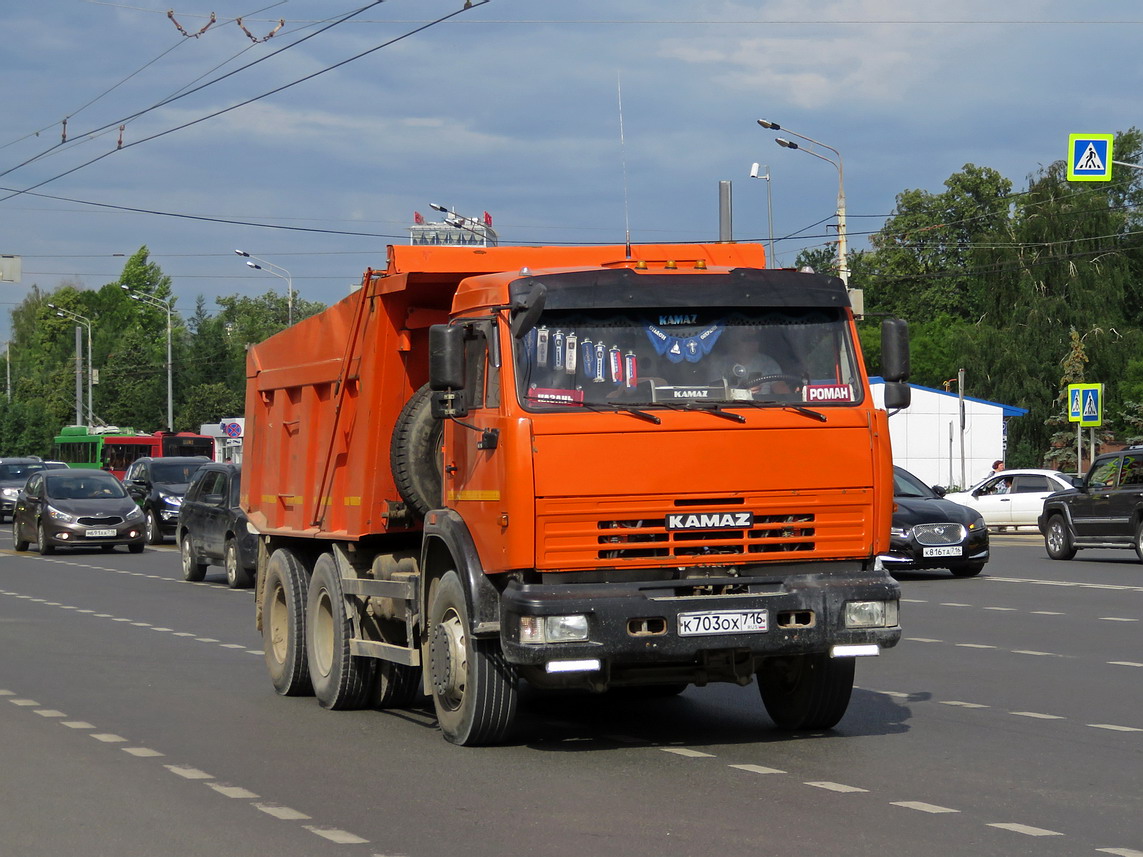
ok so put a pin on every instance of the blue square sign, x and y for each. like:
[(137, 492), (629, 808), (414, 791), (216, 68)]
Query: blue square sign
[(1089, 157)]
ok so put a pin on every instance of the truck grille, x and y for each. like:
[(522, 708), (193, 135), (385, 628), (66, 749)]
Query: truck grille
[(831, 524)]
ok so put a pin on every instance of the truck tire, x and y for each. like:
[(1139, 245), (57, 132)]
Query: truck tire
[(284, 624), (193, 570), (806, 691), (398, 685), (1057, 539), (473, 687), (415, 454), (341, 681)]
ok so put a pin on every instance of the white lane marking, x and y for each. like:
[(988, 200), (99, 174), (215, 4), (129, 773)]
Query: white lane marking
[(1116, 619), (836, 787), (963, 704), (954, 604), (975, 646), (7, 693), (50, 712), (914, 601), (24, 703), (188, 773), (685, 751), (108, 738), (205, 640), (920, 806), (1025, 829), (77, 724), (1002, 609), (281, 812), (1037, 715), (757, 769), (1048, 613), (1120, 852), (1032, 652), (1125, 664), (233, 791), (989, 578), (922, 640), (142, 752), (1114, 728), (340, 837)]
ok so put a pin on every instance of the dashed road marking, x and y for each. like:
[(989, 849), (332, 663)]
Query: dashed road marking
[(283, 813), (142, 752), (1125, 664), (962, 704), (341, 837), (975, 646), (836, 787), (236, 792), (77, 724), (686, 751), (188, 773), (108, 738), (1025, 829), (1037, 715), (920, 806), (1116, 619), (1114, 728), (1120, 852), (757, 769)]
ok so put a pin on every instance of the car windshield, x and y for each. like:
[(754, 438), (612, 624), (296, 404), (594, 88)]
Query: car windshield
[(86, 486), (15, 472), (173, 472), (665, 358), (905, 484)]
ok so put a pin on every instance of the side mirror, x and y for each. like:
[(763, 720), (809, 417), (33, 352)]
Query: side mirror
[(940, 490), (898, 395), (895, 350), (446, 357)]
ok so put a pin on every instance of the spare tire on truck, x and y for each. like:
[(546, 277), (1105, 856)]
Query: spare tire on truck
[(415, 454)]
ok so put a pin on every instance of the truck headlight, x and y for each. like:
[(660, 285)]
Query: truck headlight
[(870, 614), (553, 629)]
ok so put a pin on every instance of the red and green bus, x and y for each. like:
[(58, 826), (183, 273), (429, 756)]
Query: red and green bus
[(114, 448)]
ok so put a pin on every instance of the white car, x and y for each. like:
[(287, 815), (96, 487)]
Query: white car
[(1013, 498)]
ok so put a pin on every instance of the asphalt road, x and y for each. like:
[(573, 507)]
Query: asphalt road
[(137, 719)]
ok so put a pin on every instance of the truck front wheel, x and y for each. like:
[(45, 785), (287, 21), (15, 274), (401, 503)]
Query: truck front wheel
[(474, 688), (806, 691), (340, 680), (284, 623)]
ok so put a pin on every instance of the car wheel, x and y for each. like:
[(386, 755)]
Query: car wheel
[(1058, 539), (193, 570), (237, 575), (968, 569), (135, 547), (17, 542), (154, 533), (42, 544)]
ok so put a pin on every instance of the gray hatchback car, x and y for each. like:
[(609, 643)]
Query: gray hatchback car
[(214, 530), (74, 508)]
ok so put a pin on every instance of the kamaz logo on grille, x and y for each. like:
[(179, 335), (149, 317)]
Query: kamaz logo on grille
[(711, 521)]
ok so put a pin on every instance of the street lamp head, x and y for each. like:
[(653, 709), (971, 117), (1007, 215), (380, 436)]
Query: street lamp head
[(772, 126), (785, 144), (242, 253), (436, 207), (253, 265)]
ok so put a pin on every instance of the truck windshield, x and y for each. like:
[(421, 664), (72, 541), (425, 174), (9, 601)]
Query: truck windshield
[(649, 358)]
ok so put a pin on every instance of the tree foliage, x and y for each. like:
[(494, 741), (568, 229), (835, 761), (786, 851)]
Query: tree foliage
[(129, 353)]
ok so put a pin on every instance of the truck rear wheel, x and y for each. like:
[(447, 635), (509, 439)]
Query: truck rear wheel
[(415, 454), (341, 681), (284, 624), (806, 691), (474, 688)]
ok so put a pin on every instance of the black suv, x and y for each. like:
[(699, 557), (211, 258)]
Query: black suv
[(1105, 511), (213, 529), (158, 486)]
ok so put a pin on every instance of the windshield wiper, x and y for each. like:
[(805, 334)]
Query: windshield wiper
[(706, 408), (788, 406)]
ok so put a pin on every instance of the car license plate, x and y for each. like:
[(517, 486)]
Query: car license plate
[(723, 622), (99, 534), (949, 551)]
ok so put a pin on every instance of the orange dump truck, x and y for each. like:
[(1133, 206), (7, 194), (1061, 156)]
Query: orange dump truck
[(579, 467)]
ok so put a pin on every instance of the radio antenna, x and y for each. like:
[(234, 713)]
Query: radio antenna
[(623, 158)]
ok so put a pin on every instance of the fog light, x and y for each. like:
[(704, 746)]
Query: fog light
[(553, 629), (862, 651), (585, 665), (870, 614)]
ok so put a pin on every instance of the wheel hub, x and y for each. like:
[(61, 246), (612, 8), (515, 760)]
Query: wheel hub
[(448, 661)]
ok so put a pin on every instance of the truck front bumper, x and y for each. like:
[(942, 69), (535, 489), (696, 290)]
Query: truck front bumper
[(630, 625)]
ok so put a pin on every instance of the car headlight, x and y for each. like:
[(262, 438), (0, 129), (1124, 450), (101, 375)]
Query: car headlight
[(10, 493), (899, 532), (978, 524), (57, 515), (171, 500), (134, 514)]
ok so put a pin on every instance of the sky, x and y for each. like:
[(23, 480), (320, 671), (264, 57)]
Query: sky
[(310, 143)]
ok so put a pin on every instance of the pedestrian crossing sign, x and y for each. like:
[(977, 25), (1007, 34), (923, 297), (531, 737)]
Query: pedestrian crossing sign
[(1085, 404), (1089, 157)]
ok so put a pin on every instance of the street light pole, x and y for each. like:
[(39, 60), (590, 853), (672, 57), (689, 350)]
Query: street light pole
[(271, 268), (86, 322), (754, 174), (166, 307), (842, 265)]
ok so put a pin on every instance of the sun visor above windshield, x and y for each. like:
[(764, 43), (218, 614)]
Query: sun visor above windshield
[(740, 287)]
